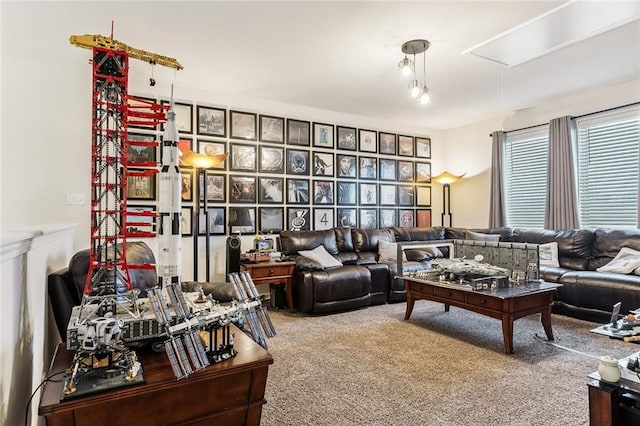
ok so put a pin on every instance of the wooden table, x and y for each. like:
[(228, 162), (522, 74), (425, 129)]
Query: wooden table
[(613, 404), (228, 393), (273, 273), (506, 304)]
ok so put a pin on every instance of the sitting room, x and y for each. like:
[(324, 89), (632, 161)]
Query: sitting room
[(405, 213)]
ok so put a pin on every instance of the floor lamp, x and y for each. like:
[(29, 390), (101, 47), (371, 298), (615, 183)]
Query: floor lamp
[(446, 179), (201, 163)]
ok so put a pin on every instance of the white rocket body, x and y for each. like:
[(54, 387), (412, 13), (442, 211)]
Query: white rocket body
[(169, 210)]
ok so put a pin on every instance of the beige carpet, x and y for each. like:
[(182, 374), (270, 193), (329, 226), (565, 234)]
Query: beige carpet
[(370, 367)]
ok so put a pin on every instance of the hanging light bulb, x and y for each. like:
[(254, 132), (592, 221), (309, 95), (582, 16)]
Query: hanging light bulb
[(405, 66), (425, 95), (414, 88)]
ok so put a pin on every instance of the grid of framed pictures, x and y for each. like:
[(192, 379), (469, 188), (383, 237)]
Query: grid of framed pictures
[(288, 173)]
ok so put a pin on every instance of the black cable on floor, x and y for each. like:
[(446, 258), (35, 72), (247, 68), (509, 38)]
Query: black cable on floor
[(45, 380)]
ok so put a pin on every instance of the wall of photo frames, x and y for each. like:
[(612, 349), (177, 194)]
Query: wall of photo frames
[(286, 173)]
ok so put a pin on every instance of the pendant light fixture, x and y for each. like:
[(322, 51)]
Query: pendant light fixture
[(407, 67)]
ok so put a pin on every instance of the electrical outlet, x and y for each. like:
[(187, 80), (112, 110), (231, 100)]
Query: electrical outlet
[(75, 199)]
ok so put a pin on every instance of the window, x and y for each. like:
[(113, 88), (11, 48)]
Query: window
[(608, 162), (525, 176)]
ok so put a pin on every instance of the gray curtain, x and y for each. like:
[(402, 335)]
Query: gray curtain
[(561, 211), (497, 211)]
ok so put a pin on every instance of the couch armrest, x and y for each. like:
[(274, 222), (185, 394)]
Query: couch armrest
[(63, 296)]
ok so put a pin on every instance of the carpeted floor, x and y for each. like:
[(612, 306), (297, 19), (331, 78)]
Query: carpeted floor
[(370, 367)]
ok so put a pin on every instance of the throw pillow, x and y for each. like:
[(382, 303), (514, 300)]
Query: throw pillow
[(321, 256), (388, 252), (625, 262), (548, 254), (422, 254), (470, 235)]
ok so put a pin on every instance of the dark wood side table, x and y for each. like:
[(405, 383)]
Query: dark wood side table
[(228, 393), (613, 404), (273, 273)]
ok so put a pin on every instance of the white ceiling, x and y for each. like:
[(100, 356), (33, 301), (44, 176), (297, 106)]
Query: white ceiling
[(342, 56)]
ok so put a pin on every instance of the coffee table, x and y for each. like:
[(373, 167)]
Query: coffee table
[(506, 304)]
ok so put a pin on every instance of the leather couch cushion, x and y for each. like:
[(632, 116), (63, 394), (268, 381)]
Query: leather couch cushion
[(291, 242), (367, 239), (574, 245), (600, 290), (343, 239), (347, 282), (419, 234), (608, 242)]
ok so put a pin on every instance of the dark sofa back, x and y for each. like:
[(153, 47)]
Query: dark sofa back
[(367, 239), (343, 239), (291, 242), (574, 245), (506, 234), (419, 234), (608, 242)]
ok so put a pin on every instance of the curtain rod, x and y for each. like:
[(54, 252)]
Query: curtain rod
[(577, 116)]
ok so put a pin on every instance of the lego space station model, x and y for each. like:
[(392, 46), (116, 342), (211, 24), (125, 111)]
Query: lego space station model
[(112, 319)]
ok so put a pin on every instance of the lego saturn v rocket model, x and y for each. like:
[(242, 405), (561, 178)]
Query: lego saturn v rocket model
[(169, 209)]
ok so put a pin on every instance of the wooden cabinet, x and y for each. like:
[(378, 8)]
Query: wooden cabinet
[(228, 393), (273, 273)]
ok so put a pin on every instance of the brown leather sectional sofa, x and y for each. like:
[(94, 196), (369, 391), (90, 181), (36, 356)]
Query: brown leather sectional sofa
[(362, 281)]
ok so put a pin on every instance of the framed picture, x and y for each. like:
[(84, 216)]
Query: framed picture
[(346, 166), (368, 168), (423, 218), (298, 218), (298, 132), (346, 218), (217, 221), (184, 144), (297, 191), (142, 150), (369, 218), (271, 219), (141, 218), (405, 171), (141, 104), (242, 189), (212, 121), (406, 218), (423, 147), (141, 184), (297, 162), (186, 219), (323, 135), (216, 188), (406, 195), (388, 194), (271, 190), (368, 141), (243, 157), (346, 193), (347, 139), (323, 219), (368, 194), (323, 164), (423, 172), (405, 146), (213, 148), (184, 116), (423, 196), (271, 159), (271, 129), (387, 143), (388, 169), (187, 184), (388, 218), (243, 125), (239, 217), (323, 192)]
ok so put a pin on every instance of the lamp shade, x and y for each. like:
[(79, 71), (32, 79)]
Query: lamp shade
[(201, 161), (446, 178)]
